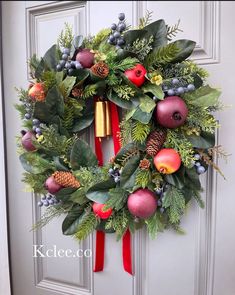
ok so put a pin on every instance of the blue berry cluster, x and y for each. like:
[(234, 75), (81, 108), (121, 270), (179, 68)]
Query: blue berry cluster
[(117, 29), (67, 63), (29, 110), (36, 126), (160, 195), (36, 122), (197, 164), (47, 200), (177, 88), (115, 174)]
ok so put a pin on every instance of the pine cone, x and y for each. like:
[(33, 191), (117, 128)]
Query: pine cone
[(155, 141), (77, 92), (66, 179), (144, 164), (100, 69)]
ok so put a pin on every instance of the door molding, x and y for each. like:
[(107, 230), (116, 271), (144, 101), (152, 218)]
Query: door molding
[(5, 287)]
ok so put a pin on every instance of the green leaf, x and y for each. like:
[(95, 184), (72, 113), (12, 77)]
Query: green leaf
[(65, 193), (117, 198), (42, 113), (39, 69), (131, 35), (158, 30), (141, 116), (83, 123), (72, 220), (156, 90), (59, 77), (34, 163), (205, 96), (54, 101), (77, 41), (67, 85), (155, 224), (82, 155), (100, 192), (146, 104), (130, 148), (206, 140), (192, 179), (177, 179), (123, 103), (81, 76), (51, 58), (186, 48), (79, 196), (59, 165), (127, 179)]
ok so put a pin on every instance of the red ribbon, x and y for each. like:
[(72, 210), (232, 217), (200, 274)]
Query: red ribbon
[(100, 235)]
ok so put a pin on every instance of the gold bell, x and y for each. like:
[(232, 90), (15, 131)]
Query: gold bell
[(108, 119), (100, 119)]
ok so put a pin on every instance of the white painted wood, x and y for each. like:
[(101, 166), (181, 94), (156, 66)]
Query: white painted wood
[(4, 261), (199, 263)]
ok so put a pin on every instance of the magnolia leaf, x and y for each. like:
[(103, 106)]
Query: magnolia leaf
[(205, 96), (146, 104), (100, 192), (51, 57), (83, 123), (156, 90), (73, 220), (192, 179), (127, 179), (158, 30), (82, 155), (39, 69), (186, 48), (132, 35), (204, 141), (77, 41), (59, 165), (64, 194), (81, 75), (125, 104), (141, 116), (34, 163), (177, 179), (54, 101), (67, 85)]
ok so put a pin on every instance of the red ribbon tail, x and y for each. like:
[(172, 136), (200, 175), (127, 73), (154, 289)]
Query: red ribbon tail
[(115, 127), (98, 151), (126, 252), (99, 252)]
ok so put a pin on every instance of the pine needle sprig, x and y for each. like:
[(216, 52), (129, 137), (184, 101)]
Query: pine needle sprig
[(173, 30), (89, 91), (124, 91), (117, 199), (126, 131), (143, 178), (144, 21), (86, 227), (174, 202), (125, 64), (140, 131), (66, 37), (141, 47), (155, 224)]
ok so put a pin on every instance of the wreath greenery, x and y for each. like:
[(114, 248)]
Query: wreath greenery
[(167, 133)]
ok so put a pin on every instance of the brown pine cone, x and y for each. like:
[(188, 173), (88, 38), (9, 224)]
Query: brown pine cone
[(155, 141), (77, 92), (66, 179), (144, 164), (100, 69)]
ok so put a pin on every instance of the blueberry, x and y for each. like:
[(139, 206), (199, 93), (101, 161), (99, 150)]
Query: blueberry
[(40, 204), (58, 68), (27, 116), (155, 98), (34, 128), (113, 26), (111, 171), (68, 65), (116, 179), (171, 92), (165, 88), (65, 56), (43, 197), (175, 81), (62, 63), (159, 203), (121, 16), (116, 34), (121, 27), (162, 210), (49, 197), (56, 201), (120, 41), (38, 131), (36, 122), (66, 51), (70, 72), (201, 170), (197, 164), (158, 191), (180, 90), (197, 157), (51, 202), (191, 87), (185, 89), (46, 203), (111, 38), (78, 65)]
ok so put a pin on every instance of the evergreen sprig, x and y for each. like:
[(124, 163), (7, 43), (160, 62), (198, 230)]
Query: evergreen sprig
[(174, 202), (145, 20), (173, 30), (143, 178), (141, 47), (140, 131), (87, 226), (124, 91), (66, 37), (117, 199), (155, 224)]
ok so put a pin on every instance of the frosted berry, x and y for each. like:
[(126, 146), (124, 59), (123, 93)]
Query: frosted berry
[(65, 56), (66, 51), (121, 27), (113, 27), (27, 116), (62, 63), (197, 157), (121, 16), (116, 35), (78, 65), (175, 81), (36, 122), (191, 87), (180, 90), (120, 42), (40, 204), (201, 170), (59, 68)]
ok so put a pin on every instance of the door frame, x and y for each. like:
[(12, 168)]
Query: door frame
[(5, 287)]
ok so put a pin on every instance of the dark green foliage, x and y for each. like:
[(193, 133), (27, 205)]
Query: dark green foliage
[(155, 224), (86, 227), (117, 198)]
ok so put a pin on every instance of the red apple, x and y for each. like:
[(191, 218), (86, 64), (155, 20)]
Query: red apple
[(98, 210), (52, 186), (167, 161), (85, 57), (37, 92), (142, 203), (171, 112), (27, 141), (136, 75)]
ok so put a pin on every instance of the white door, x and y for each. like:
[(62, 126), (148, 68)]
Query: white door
[(202, 262)]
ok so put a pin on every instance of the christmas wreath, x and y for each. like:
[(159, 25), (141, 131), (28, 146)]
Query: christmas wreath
[(164, 141)]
